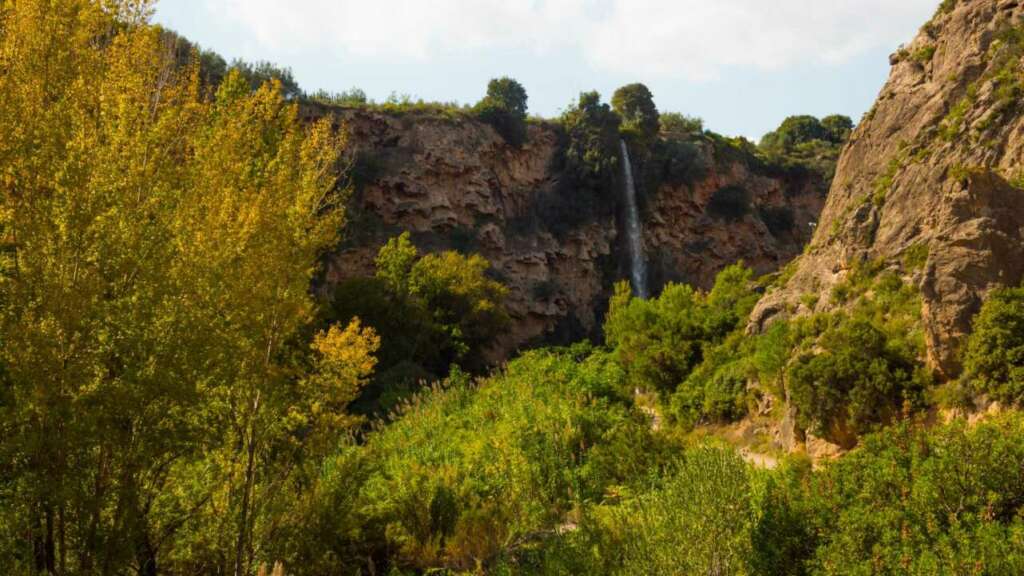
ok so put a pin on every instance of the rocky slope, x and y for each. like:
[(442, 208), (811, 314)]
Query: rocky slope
[(930, 183), (455, 183)]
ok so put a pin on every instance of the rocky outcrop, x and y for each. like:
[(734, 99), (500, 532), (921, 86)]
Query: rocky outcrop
[(454, 183), (689, 241), (929, 184)]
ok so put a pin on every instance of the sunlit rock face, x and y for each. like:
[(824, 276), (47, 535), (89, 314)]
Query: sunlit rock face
[(454, 183), (930, 181)]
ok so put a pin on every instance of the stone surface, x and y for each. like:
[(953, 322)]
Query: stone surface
[(909, 179), (455, 183)]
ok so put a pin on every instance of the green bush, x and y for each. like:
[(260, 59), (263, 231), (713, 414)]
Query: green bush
[(504, 107), (635, 104), (796, 130), (994, 359), (779, 220), (431, 312), (838, 127), (947, 501), (730, 203), (910, 501), (589, 164), (469, 473), (854, 379), (661, 342), (695, 519), (676, 125)]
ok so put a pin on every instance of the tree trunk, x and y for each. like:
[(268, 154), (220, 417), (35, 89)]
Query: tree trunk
[(250, 480)]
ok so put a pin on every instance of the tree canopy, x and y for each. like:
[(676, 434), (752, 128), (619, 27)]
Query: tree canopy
[(635, 104)]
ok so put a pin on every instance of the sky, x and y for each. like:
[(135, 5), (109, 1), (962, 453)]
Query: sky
[(741, 65)]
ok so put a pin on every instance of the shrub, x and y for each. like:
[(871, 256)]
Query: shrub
[(431, 312), (716, 390), (730, 203), (778, 219), (662, 341), (838, 127), (946, 501), (504, 107), (795, 130), (696, 519), (855, 379), (635, 104), (994, 359), (590, 162), (469, 472), (676, 125)]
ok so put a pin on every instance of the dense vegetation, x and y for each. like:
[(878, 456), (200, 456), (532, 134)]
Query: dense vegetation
[(805, 141), (175, 400), (640, 117), (431, 313), (504, 107)]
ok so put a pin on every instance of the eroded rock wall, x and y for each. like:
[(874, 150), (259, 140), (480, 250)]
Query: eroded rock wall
[(924, 185), (455, 183)]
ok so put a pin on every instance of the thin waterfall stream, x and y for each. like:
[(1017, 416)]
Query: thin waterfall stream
[(634, 232)]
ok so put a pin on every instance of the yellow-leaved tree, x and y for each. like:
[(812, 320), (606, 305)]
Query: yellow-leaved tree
[(156, 253)]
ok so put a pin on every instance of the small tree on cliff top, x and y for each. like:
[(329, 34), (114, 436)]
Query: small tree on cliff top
[(504, 107), (635, 104)]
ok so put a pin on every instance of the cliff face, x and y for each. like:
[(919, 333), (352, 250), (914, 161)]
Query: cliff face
[(930, 183), (454, 183)]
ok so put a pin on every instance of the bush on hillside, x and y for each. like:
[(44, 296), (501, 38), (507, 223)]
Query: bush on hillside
[(855, 379), (731, 203), (994, 359), (795, 130), (854, 370), (431, 312), (661, 341), (635, 104), (676, 125), (470, 473), (504, 107), (947, 501)]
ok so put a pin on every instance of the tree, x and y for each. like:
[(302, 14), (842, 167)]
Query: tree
[(504, 107), (509, 95), (662, 340), (432, 312), (796, 130), (854, 380), (161, 250), (839, 127), (994, 359), (679, 125), (592, 152), (635, 104)]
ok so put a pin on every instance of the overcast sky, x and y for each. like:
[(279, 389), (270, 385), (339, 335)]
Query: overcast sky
[(742, 65)]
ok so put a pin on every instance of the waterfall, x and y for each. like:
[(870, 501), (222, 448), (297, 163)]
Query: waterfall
[(634, 233)]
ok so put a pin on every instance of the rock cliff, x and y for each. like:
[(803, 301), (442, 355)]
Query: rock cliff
[(454, 183), (930, 184)]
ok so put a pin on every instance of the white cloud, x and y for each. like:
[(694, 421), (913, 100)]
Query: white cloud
[(692, 39)]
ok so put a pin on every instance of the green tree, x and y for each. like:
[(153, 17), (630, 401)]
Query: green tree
[(504, 107), (468, 473), (994, 359), (839, 127), (678, 125), (676, 344), (635, 104), (855, 379), (161, 247), (432, 312), (945, 501), (796, 130), (591, 158)]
